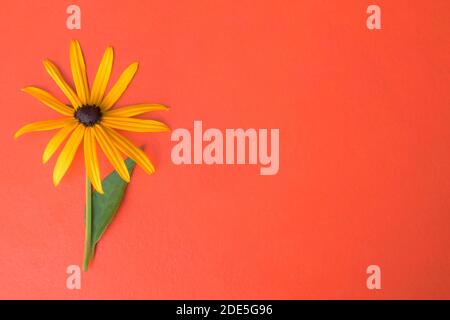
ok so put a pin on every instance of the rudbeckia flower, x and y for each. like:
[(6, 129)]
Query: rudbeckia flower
[(89, 118)]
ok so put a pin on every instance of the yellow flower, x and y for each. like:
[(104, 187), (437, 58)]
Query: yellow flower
[(89, 119)]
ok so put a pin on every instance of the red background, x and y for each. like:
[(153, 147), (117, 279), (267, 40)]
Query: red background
[(364, 151)]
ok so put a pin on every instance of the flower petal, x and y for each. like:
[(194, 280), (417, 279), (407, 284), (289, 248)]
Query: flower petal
[(57, 139), (49, 100), (79, 71), (134, 110), (43, 126), (62, 84), (90, 159), (128, 148), (111, 152), (121, 85), (102, 76), (136, 125), (67, 154)]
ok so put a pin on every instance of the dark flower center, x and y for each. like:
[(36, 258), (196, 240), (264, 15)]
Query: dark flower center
[(88, 115)]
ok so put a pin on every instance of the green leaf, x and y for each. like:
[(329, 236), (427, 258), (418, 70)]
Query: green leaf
[(104, 207)]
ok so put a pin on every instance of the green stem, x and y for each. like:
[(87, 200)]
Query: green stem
[(88, 224)]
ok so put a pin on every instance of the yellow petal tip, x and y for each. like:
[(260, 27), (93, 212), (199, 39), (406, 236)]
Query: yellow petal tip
[(17, 134), (55, 182), (135, 65), (56, 179), (98, 187)]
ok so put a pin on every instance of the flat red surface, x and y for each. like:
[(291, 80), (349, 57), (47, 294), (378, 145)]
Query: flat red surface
[(364, 151)]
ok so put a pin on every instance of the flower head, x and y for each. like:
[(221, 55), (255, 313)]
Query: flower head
[(89, 119)]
